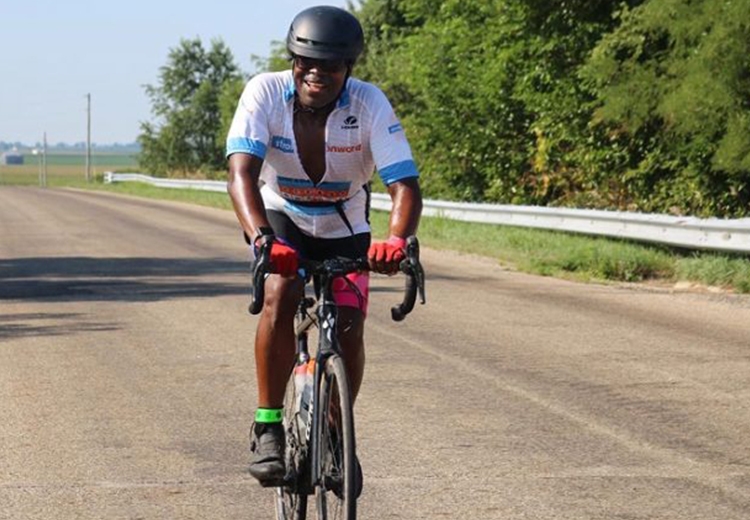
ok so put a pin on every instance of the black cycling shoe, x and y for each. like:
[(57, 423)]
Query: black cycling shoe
[(268, 443)]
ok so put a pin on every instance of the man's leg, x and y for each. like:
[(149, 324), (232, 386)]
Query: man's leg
[(274, 339), (351, 337), (274, 357)]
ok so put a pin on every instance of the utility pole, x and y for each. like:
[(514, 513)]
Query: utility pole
[(88, 137), (38, 153)]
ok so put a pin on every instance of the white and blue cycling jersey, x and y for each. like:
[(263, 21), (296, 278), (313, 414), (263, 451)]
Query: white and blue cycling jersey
[(362, 135)]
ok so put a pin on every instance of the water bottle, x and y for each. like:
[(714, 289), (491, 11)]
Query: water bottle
[(303, 381)]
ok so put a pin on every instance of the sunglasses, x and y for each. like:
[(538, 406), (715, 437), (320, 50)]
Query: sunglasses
[(329, 66)]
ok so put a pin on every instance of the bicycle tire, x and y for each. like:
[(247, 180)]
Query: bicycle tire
[(291, 499), (335, 451)]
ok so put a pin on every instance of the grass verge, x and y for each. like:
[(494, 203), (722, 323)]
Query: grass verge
[(547, 253)]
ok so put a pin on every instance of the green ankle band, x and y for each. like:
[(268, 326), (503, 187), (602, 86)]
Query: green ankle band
[(269, 415)]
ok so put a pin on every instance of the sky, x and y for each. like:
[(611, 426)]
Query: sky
[(55, 53)]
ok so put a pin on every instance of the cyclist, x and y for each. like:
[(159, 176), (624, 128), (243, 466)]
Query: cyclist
[(302, 149)]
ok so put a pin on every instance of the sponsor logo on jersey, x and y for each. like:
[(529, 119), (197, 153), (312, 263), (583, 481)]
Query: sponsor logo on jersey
[(350, 123), (344, 149), (304, 190), (395, 128), (282, 143)]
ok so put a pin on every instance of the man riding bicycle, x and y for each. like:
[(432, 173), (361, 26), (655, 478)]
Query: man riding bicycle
[(302, 149)]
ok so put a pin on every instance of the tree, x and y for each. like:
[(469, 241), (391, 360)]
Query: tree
[(488, 91), (186, 102), (277, 61), (673, 86)]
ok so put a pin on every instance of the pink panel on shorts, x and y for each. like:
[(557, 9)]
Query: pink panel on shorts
[(345, 295)]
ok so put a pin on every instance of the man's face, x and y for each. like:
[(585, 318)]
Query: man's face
[(318, 82)]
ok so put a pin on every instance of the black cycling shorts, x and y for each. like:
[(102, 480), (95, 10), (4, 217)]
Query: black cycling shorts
[(312, 248)]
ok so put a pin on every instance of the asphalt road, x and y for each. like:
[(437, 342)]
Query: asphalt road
[(127, 382)]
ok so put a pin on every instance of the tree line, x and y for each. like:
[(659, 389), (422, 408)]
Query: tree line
[(635, 105)]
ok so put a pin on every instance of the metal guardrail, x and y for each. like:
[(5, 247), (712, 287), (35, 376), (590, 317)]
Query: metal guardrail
[(687, 232), (221, 186)]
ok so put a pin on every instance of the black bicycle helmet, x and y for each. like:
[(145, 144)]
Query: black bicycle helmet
[(325, 33)]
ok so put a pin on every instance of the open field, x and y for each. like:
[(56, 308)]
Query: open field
[(64, 169)]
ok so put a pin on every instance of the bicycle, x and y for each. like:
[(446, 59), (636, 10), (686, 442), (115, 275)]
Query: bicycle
[(318, 418)]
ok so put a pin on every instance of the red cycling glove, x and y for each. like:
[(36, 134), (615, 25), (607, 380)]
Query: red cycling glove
[(385, 256), (284, 259)]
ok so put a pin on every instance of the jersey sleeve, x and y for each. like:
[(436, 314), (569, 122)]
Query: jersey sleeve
[(390, 149), (248, 132)]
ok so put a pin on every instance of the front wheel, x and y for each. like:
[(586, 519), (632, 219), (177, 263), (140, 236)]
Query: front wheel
[(335, 486)]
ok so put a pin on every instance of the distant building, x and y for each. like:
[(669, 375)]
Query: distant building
[(12, 157)]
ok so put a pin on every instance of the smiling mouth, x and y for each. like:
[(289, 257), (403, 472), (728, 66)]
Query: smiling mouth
[(315, 83)]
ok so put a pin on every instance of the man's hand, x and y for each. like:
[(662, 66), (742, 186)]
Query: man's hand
[(385, 257), (284, 260)]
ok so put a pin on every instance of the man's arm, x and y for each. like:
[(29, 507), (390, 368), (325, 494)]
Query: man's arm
[(244, 190), (385, 256), (407, 207)]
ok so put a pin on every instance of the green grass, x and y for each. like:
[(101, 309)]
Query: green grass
[(78, 158), (204, 198), (552, 253), (547, 253), (716, 270)]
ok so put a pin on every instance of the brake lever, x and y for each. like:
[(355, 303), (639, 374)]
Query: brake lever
[(414, 266), (260, 269)]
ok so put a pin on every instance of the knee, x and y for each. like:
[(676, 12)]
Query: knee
[(351, 325), (281, 298)]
